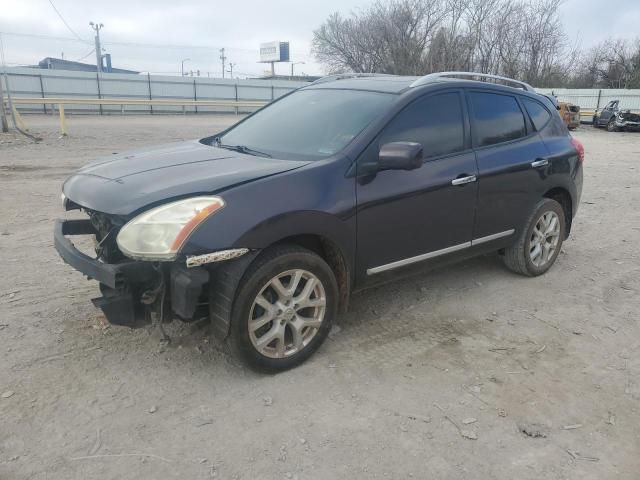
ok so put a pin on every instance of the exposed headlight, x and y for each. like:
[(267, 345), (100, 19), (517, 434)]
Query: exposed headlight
[(159, 233)]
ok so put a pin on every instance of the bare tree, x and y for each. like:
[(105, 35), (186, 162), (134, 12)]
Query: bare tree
[(517, 38)]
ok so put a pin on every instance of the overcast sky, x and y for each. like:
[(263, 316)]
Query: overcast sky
[(155, 35)]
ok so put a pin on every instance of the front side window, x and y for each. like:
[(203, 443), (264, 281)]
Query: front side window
[(436, 122), (497, 118), (308, 124)]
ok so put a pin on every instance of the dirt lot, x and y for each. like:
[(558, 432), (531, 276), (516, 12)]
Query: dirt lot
[(415, 367)]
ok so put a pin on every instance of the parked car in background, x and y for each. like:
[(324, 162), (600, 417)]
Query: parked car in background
[(570, 114), (615, 119), (267, 227)]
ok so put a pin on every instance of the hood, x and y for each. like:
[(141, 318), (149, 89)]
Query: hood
[(629, 116), (124, 183)]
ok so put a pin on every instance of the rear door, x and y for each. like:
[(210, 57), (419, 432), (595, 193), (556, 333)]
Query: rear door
[(512, 161)]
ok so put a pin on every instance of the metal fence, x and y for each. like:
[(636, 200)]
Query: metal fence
[(591, 99), (37, 83)]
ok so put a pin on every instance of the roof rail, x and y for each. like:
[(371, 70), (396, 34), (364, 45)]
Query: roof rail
[(343, 76), (472, 76)]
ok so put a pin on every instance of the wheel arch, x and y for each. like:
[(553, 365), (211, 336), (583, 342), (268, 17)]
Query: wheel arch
[(563, 197), (226, 279)]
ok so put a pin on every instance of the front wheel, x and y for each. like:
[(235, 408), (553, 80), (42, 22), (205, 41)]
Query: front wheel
[(283, 309), (539, 244), (611, 126)]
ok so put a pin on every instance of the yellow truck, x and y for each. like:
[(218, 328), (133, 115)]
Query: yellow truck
[(570, 114)]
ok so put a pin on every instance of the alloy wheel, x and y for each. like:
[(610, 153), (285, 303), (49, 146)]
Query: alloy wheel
[(287, 313), (545, 238)]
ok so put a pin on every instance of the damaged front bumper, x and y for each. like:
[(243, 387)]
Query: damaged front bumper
[(627, 124), (132, 289)]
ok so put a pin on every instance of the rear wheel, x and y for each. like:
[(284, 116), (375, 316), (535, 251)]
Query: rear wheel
[(539, 244), (284, 308)]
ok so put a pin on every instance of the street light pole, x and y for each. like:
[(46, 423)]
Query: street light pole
[(231, 69), (97, 27), (182, 65), (295, 63)]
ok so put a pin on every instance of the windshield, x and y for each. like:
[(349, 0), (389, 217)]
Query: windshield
[(308, 124)]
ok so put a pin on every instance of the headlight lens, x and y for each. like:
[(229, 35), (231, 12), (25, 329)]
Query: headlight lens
[(159, 233)]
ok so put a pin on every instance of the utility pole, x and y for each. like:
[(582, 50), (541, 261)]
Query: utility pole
[(97, 27), (231, 69), (182, 65), (223, 59)]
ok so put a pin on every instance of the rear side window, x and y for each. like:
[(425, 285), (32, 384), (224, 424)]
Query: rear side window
[(436, 122), (497, 118), (539, 115)]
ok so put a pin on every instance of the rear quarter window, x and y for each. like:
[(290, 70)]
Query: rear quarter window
[(537, 112), (497, 118)]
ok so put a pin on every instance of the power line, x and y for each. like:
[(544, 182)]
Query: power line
[(65, 23), (85, 56), (146, 45)]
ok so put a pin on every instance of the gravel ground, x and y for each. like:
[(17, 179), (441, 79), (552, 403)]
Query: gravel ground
[(467, 372)]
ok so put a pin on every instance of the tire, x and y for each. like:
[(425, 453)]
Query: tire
[(595, 123), (611, 126), (519, 257), (283, 319)]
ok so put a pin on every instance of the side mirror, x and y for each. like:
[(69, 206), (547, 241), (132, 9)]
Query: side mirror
[(400, 156)]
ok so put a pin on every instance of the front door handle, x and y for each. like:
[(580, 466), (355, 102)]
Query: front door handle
[(463, 180), (541, 162)]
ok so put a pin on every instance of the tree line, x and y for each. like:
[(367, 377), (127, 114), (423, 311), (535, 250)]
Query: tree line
[(523, 39)]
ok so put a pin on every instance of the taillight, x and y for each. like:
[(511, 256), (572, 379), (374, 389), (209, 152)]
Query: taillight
[(579, 148)]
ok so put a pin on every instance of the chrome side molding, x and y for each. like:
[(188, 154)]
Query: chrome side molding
[(419, 258), (490, 238), (437, 253)]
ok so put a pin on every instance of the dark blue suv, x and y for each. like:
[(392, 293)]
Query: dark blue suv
[(267, 227)]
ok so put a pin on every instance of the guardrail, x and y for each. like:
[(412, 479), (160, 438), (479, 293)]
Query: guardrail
[(60, 102), (136, 101), (586, 116)]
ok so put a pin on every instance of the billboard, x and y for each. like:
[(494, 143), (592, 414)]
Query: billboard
[(274, 52)]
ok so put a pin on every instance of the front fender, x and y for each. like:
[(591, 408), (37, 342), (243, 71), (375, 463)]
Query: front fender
[(315, 200), (289, 224)]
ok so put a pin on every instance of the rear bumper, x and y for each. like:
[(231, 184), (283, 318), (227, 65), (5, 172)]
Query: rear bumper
[(114, 276)]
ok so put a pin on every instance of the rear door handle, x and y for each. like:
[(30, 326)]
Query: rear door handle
[(541, 162), (463, 180)]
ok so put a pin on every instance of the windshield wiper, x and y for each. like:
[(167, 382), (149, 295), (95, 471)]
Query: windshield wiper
[(243, 149)]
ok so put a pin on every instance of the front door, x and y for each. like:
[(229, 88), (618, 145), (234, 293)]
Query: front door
[(607, 112), (408, 216)]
